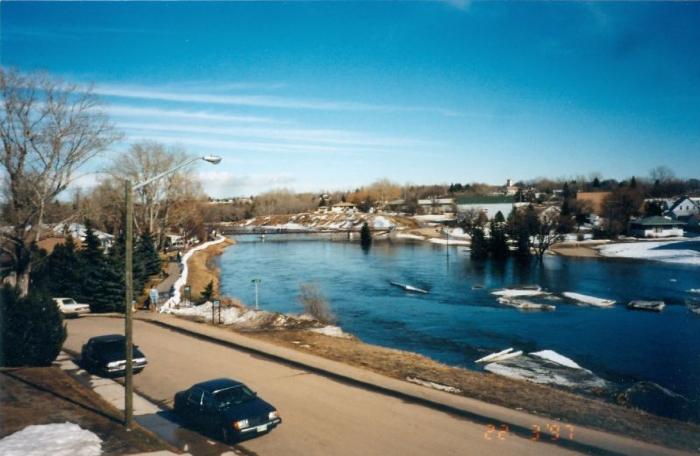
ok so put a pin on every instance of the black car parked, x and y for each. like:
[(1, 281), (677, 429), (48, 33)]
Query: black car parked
[(226, 408), (107, 355)]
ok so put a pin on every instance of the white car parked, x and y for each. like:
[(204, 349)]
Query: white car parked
[(68, 307)]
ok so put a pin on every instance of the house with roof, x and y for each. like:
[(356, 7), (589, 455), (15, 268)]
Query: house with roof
[(436, 206), (489, 205), (656, 227), (683, 208), (343, 207)]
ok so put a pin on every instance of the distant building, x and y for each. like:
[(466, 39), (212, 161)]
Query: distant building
[(397, 205), (343, 207), (78, 232), (597, 200), (510, 189), (656, 227), (490, 205), (436, 206), (683, 208)]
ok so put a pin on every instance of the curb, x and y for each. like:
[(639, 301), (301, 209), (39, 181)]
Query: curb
[(515, 428)]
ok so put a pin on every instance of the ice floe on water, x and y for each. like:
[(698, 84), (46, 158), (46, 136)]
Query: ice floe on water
[(547, 367), (555, 357), (58, 439)]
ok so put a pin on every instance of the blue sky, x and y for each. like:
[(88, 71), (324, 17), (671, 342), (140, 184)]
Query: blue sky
[(314, 95)]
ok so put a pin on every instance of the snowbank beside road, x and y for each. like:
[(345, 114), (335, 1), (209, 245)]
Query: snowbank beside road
[(60, 439), (686, 252)]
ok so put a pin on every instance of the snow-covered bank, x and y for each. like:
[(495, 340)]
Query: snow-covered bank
[(250, 319), (60, 439), (683, 251), (182, 280)]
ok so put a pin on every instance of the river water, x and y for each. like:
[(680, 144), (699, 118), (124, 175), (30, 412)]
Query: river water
[(456, 323)]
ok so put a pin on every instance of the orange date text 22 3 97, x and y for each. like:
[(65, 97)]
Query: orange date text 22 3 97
[(547, 432)]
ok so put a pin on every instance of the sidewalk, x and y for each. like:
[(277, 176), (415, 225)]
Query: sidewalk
[(150, 416), (586, 440)]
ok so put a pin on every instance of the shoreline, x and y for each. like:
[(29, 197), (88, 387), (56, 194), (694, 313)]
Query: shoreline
[(557, 403)]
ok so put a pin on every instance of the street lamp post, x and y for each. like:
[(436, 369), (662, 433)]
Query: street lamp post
[(256, 281), (129, 189)]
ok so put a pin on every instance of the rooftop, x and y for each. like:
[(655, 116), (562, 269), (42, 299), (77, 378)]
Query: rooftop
[(483, 199), (656, 220)]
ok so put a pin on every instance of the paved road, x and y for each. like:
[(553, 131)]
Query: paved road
[(321, 416)]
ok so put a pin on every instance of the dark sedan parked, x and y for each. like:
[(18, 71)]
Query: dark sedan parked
[(107, 355), (226, 408)]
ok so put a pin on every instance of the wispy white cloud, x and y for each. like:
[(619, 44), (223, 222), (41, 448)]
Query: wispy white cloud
[(261, 101), (243, 147), (131, 112), (293, 135)]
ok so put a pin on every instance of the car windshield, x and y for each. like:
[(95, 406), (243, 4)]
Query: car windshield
[(233, 396), (69, 302)]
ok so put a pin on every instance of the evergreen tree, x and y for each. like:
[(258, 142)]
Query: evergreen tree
[(207, 293), (365, 237), (633, 182), (523, 242), (596, 182), (479, 247), (498, 218), (60, 271), (32, 330), (498, 245), (147, 255), (102, 281)]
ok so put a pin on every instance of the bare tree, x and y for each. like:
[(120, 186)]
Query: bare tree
[(48, 130), (315, 304), (546, 234), (154, 203)]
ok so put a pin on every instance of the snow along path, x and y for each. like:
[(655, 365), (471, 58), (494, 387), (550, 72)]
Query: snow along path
[(175, 300), (666, 251), (58, 439)]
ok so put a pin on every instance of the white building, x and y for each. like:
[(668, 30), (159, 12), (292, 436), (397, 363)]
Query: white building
[(656, 227), (683, 208), (490, 205)]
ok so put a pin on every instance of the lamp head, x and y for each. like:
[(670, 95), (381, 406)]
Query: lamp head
[(214, 159)]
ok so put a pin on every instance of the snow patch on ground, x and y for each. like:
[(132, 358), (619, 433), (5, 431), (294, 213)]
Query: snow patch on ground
[(656, 250), (60, 439), (381, 223), (409, 236), (332, 331), (450, 242), (433, 385)]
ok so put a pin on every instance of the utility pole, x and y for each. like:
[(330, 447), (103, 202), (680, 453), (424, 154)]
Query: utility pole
[(129, 189), (256, 281), (128, 321)]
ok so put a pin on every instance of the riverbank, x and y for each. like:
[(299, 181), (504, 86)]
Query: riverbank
[(203, 268), (600, 412), (550, 405)]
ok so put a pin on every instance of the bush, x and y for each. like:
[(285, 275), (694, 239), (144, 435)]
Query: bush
[(315, 304), (32, 331)]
